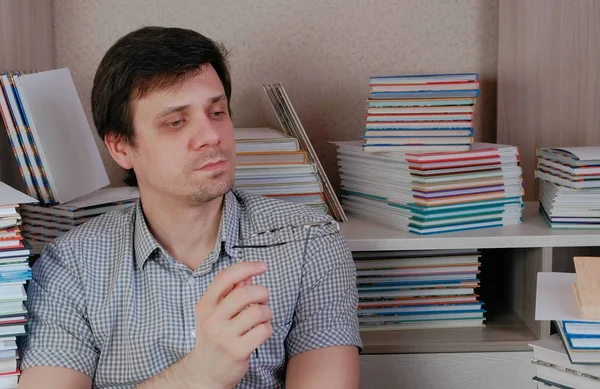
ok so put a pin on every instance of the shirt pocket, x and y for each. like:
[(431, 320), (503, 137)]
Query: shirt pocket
[(283, 276)]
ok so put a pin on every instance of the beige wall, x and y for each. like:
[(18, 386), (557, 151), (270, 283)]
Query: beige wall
[(26, 44), (323, 52)]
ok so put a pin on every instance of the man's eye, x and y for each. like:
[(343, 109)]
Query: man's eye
[(218, 113), (176, 123)]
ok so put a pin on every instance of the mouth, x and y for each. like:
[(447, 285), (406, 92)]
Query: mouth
[(213, 165)]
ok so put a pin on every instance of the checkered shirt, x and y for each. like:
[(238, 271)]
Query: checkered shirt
[(107, 300)]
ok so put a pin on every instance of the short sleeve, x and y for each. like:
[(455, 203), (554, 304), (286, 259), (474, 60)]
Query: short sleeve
[(58, 333), (326, 310)]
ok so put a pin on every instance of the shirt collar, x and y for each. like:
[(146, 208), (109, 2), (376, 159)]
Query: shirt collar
[(230, 223), (145, 245)]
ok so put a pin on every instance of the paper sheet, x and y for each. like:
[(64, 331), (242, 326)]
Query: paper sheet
[(10, 196), (104, 196), (555, 298)]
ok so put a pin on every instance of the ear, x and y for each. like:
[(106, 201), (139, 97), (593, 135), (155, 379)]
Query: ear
[(120, 150)]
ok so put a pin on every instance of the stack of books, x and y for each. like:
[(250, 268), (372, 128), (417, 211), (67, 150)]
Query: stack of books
[(432, 193), (14, 274), (571, 357), (42, 224), (421, 113), (569, 181), (270, 163), (418, 290)]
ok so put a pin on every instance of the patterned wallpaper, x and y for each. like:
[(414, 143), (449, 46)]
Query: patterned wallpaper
[(323, 52)]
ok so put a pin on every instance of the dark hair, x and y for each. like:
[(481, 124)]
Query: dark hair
[(144, 60)]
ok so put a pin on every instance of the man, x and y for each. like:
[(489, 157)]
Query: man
[(198, 285)]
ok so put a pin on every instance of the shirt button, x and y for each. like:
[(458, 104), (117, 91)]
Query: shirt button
[(193, 334), (190, 280)]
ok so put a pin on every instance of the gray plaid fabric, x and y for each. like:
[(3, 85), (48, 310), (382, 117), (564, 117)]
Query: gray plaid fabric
[(105, 299)]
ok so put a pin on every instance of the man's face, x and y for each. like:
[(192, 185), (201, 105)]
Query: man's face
[(184, 142)]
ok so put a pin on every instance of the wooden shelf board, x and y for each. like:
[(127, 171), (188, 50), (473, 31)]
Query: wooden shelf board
[(363, 235), (505, 332)]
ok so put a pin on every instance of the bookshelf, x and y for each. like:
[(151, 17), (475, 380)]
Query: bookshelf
[(363, 235), (511, 258)]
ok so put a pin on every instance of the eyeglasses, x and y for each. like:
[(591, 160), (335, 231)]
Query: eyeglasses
[(281, 236)]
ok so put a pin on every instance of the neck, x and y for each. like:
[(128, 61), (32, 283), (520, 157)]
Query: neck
[(187, 231)]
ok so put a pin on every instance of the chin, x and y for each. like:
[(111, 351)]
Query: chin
[(211, 189)]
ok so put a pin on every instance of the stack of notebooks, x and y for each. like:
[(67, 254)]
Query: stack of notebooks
[(41, 224), (271, 163), (56, 155), (292, 127), (432, 193), (569, 186), (418, 290), (421, 113), (571, 357), (50, 137), (14, 274)]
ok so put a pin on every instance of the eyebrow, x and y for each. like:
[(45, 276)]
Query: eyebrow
[(217, 99), (169, 110), (179, 108)]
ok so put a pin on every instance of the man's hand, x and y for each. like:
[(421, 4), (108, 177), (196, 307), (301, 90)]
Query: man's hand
[(232, 320)]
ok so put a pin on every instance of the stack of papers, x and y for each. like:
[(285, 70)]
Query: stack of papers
[(41, 224), (270, 163), (421, 113), (430, 193), (418, 290), (14, 274), (569, 186)]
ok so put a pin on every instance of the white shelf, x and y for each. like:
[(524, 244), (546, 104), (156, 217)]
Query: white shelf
[(505, 332), (363, 235)]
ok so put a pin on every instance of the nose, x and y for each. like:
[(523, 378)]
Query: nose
[(205, 134)]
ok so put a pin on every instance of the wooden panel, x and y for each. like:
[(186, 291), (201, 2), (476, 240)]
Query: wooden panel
[(586, 287), (548, 77), (562, 260), (26, 38), (524, 266), (26, 43), (447, 371)]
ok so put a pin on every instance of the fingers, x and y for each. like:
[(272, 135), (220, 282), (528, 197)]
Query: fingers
[(226, 280), (240, 348), (255, 337), (240, 298), (251, 317), (246, 282)]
